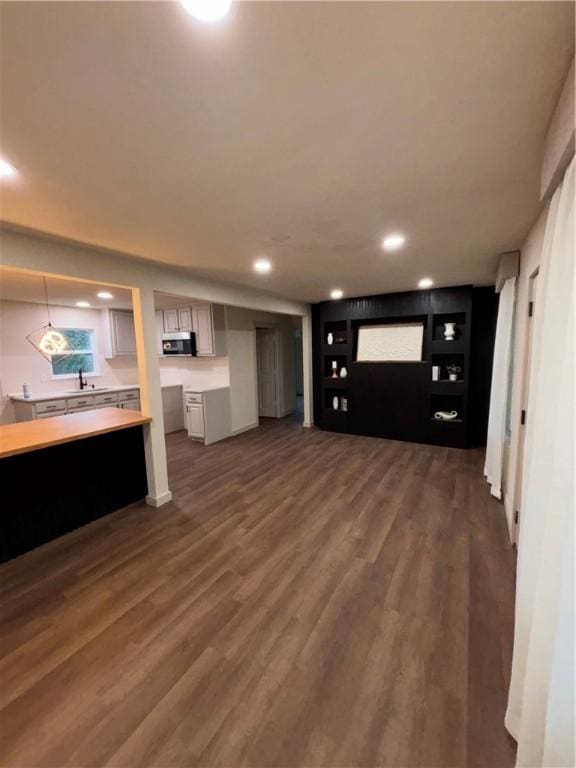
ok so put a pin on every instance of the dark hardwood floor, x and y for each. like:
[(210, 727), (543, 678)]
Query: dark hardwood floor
[(308, 599)]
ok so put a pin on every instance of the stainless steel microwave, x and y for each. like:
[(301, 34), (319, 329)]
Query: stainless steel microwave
[(182, 343)]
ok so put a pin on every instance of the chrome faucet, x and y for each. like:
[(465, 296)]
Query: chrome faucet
[(83, 383)]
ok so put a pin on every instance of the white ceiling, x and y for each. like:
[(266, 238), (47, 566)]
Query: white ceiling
[(29, 287), (300, 131)]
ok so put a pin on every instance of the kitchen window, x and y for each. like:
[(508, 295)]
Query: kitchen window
[(82, 342)]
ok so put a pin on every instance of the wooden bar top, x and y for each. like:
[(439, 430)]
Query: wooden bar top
[(26, 436)]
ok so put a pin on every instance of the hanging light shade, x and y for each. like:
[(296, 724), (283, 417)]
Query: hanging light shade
[(48, 341)]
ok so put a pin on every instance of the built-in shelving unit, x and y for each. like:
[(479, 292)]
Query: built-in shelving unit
[(335, 386), (397, 400)]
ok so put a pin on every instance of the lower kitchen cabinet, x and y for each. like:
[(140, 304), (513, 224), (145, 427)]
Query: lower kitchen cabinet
[(195, 420), (28, 410), (208, 414)]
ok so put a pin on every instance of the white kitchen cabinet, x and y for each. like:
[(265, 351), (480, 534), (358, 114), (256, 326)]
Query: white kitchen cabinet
[(177, 319), (207, 321), (170, 320), (130, 405), (159, 330), (119, 335), (185, 319), (80, 403), (204, 329), (28, 410), (195, 420), (208, 414)]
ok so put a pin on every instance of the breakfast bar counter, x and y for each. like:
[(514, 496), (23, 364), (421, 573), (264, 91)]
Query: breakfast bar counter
[(59, 473), (28, 436)]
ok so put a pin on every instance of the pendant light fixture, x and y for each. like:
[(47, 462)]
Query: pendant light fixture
[(49, 341)]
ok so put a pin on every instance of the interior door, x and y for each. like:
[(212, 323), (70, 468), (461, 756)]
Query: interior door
[(531, 310), (267, 361)]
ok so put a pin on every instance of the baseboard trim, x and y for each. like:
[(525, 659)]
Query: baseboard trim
[(159, 501), (307, 424), (244, 429)]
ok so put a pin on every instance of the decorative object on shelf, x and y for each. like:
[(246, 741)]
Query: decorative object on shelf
[(446, 415), (335, 402), (47, 340), (449, 331), (334, 369), (26, 391), (340, 339), (344, 404), (343, 372), (435, 373), (330, 338), (453, 371)]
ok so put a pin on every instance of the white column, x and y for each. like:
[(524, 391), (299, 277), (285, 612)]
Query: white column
[(151, 396), (307, 368)]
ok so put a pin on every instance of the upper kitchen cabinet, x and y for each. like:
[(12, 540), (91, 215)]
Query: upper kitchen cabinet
[(119, 335), (178, 319), (209, 325), (207, 321)]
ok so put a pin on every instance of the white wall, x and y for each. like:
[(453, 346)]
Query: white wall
[(241, 327), (195, 372), (20, 363), (530, 256)]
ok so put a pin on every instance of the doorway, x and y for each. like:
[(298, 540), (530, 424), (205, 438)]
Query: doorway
[(268, 374), (525, 395)]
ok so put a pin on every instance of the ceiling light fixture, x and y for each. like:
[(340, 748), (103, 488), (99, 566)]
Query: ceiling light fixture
[(83, 304), (393, 242), (336, 294), (7, 169), (262, 266), (104, 295), (426, 282), (207, 10)]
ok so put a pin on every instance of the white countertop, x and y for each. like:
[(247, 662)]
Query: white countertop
[(39, 397), (66, 393)]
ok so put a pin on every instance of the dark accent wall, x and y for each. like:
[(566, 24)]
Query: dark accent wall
[(397, 400)]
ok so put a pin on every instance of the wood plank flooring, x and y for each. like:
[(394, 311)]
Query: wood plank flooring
[(308, 599)]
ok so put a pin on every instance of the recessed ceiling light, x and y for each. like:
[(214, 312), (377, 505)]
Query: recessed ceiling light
[(262, 266), (207, 10), (336, 294), (104, 295), (426, 282), (393, 242), (83, 304), (7, 169)]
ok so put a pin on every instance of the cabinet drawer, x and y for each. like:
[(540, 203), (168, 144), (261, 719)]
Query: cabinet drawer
[(129, 394), (80, 402), (111, 398), (193, 397), (50, 405)]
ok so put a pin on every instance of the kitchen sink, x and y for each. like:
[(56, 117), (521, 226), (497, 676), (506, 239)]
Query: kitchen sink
[(86, 391)]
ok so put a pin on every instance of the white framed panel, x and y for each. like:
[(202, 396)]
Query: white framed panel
[(390, 342)]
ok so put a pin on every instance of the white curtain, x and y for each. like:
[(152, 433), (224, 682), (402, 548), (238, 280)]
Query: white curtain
[(540, 712), (499, 389)]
